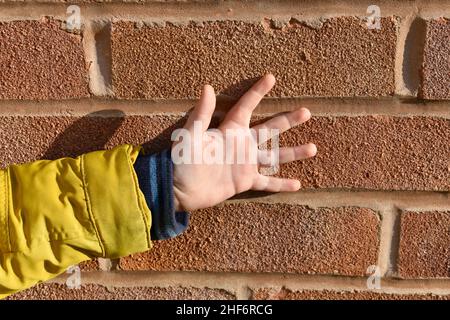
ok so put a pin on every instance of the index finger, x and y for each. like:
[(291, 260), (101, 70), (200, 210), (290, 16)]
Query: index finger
[(241, 112)]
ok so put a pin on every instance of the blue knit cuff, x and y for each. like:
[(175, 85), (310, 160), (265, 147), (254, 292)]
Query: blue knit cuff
[(155, 175)]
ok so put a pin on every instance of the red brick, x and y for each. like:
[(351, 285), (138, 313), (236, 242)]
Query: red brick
[(41, 61), (91, 265), (98, 292), (340, 58), (436, 60), (257, 237), (374, 152), (27, 138), (286, 294), (367, 152), (424, 245)]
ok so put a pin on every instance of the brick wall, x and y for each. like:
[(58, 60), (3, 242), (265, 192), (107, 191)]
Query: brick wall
[(376, 197)]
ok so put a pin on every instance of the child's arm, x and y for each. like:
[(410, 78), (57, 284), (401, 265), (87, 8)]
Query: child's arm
[(54, 214)]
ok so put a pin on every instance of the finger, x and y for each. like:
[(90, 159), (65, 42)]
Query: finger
[(273, 184), (282, 123), (204, 109), (287, 154), (242, 110)]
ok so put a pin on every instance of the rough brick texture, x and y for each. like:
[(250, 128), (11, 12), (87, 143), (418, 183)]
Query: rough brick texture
[(400, 153), (380, 100), (90, 265), (27, 138), (39, 60), (286, 294), (256, 237), (424, 245), (98, 292), (379, 152), (342, 57), (436, 60)]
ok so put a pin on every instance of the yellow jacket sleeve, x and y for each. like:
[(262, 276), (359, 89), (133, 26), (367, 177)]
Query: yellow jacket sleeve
[(55, 214)]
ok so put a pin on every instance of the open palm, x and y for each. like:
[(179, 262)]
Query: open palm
[(218, 170)]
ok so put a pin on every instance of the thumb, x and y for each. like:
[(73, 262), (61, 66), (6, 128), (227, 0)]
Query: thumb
[(204, 109)]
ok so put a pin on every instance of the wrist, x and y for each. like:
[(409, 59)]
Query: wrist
[(155, 175)]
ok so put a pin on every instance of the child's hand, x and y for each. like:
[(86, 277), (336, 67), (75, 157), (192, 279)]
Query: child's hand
[(202, 184)]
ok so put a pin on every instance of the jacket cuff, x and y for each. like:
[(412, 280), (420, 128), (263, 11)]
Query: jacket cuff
[(116, 206), (155, 175)]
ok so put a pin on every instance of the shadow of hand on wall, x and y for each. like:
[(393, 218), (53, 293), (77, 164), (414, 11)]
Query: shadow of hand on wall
[(238, 88), (107, 128), (162, 139), (88, 133)]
